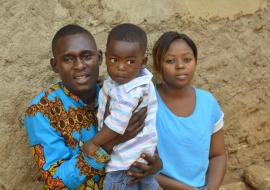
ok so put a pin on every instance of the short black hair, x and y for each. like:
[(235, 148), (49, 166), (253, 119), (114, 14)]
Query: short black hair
[(130, 33), (163, 43), (69, 29)]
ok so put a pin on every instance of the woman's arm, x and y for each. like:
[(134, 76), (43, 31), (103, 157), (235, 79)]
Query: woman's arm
[(170, 184), (217, 161)]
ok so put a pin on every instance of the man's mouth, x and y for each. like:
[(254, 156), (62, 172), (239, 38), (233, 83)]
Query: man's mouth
[(82, 78)]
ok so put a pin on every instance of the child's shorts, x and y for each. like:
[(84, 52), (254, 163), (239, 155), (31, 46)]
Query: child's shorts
[(119, 180)]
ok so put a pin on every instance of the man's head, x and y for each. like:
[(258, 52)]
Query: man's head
[(76, 58), (125, 52)]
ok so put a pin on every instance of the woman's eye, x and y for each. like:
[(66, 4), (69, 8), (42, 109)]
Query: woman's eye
[(169, 61), (130, 62), (187, 60)]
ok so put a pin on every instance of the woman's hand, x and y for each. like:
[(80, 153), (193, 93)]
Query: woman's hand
[(154, 164)]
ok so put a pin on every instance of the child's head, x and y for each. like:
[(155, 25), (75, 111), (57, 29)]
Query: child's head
[(175, 58), (125, 52), (75, 58)]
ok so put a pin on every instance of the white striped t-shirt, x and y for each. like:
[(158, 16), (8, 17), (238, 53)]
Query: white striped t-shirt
[(124, 99)]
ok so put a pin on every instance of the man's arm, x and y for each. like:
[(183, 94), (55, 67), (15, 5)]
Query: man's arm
[(217, 161), (59, 165)]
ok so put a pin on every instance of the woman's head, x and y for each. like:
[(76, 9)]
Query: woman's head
[(175, 58)]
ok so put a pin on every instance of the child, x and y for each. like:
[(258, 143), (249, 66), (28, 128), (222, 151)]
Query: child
[(128, 85), (189, 120)]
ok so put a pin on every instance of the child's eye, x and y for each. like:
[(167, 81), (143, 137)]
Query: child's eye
[(113, 60), (130, 62)]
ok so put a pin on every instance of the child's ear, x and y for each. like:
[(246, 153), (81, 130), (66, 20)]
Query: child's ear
[(53, 65), (144, 62), (100, 57)]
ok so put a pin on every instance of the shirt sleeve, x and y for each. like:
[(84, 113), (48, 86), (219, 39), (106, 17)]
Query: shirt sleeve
[(217, 116), (123, 105), (57, 162)]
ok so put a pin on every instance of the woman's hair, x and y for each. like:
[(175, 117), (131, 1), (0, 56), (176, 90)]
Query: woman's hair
[(162, 45)]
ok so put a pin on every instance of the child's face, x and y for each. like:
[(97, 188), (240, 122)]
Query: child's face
[(76, 60), (124, 60), (178, 64)]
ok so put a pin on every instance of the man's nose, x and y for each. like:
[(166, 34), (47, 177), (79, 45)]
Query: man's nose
[(79, 63)]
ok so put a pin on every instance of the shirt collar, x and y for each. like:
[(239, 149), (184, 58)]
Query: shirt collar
[(144, 77), (77, 99)]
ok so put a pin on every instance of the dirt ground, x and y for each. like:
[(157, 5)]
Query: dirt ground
[(234, 64)]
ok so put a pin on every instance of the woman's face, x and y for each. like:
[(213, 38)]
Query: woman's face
[(178, 64)]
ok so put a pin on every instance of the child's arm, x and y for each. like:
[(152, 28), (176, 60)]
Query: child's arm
[(217, 161), (135, 125), (104, 136), (168, 183)]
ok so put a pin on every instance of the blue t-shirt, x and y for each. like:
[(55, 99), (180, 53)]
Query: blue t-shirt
[(184, 142)]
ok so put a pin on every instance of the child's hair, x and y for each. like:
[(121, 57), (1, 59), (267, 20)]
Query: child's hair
[(129, 33), (69, 29), (163, 44)]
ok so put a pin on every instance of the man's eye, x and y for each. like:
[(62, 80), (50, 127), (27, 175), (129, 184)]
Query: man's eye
[(87, 57), (68, 59), (113, 60), (130, 62)]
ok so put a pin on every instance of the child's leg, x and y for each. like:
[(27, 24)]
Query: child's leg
[(118, 180), (148, 183)]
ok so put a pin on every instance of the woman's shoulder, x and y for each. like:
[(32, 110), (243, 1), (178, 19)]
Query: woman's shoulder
[(204, 94)]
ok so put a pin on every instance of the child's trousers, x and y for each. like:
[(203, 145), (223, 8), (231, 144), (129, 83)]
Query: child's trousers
[(119, 180)]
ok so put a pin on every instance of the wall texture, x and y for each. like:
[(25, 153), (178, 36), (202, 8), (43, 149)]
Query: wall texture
[(233, 39)]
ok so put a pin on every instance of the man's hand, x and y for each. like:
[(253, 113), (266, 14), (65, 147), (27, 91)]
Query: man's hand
[(154, 164)]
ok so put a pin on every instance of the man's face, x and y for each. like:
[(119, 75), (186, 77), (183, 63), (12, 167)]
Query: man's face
[(76, 59), (124, 60)]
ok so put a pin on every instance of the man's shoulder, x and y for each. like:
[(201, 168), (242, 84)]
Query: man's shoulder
[(49, 93)]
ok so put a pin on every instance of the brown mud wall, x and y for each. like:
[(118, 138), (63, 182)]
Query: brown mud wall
[(234, 64)]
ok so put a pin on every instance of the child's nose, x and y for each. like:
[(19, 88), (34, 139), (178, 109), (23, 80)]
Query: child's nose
[(121, 66)]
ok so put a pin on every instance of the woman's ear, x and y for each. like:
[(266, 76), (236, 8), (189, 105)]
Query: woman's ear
[(53, 65)]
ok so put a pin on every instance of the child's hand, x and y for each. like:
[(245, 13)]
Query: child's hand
[(154, 164)]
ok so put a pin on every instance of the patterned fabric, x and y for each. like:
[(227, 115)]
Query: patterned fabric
[(124, 100), (57, 123)]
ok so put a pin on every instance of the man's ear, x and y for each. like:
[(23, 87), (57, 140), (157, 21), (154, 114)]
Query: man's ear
[(100, 57), (144, 61), (53, 65)]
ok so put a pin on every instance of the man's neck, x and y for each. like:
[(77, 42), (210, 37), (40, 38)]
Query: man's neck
[(88, 97)]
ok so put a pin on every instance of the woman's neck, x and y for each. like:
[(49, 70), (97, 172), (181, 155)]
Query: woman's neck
[(174, 92)]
